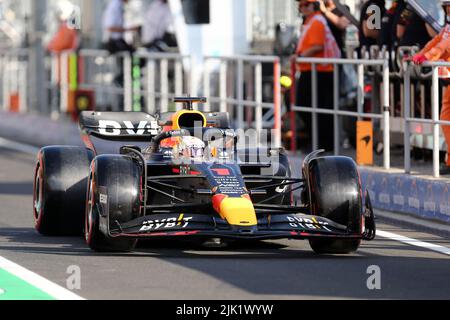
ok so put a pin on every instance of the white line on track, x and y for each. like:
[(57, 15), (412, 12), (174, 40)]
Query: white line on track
[(21, 147), (414, 242), (37, 281), (32, 278)]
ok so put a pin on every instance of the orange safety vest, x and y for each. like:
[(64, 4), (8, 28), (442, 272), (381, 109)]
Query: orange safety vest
[(316, 31), (65, 39), (438, 49)]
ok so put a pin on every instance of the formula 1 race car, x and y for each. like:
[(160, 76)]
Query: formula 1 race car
[(142, 176)]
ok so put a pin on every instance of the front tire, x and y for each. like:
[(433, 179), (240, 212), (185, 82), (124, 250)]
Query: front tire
[(334, 191), (330, 246), (120, 179)]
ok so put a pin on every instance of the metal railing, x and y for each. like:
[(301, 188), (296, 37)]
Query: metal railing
[(167, 75), (315, 110), (14, 68), (93, 70), (102, 70), (241, 103), (434, 121), (182, 80)]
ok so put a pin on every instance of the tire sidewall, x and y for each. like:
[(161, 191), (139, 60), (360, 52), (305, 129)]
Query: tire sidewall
[(347, 179), (94, 236), (38, 185), (59, 188), (90, 222)]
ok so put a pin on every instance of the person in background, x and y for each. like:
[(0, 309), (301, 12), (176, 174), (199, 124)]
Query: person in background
[(412, 30), (66, 38), (316, 41), (388, 39), (337, 22), (114, 27), (368, 35), (438, 49), (388, 32), (157, 22)]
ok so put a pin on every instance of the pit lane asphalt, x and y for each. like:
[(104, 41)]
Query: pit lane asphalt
[(285, 269)]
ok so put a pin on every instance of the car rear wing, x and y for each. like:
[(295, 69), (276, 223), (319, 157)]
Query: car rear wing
[(136, 126)]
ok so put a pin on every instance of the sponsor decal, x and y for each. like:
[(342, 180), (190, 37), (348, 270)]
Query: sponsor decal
[(429, 203), (226, 180), (306, 223), (444, 207), (113, 128), (364, 147), (221, 171), (414, 201), (184, 170), (103, 202), (384, 197), (168, 223), (281, 189), (399, 200), (429, 206), (103, 198)]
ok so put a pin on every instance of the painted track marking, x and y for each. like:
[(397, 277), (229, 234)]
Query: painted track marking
[(20, 272), (21, 147), (414, 242), (37, 281)]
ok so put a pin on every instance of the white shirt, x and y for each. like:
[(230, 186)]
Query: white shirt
[(158, 19), (113, 17)]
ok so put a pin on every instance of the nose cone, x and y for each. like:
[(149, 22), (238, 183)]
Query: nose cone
[(237, 211)]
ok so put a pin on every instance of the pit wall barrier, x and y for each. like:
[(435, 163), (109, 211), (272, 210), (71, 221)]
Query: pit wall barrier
[(398, 192)]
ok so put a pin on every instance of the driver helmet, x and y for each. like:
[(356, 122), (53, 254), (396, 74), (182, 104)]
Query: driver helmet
[(191, 147)]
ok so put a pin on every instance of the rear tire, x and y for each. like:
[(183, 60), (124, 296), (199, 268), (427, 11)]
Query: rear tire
[(120, 177), (335, 193), (59, 190)]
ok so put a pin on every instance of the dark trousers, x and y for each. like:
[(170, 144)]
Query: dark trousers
[(115, 46), (118, 45), (325, 99)]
